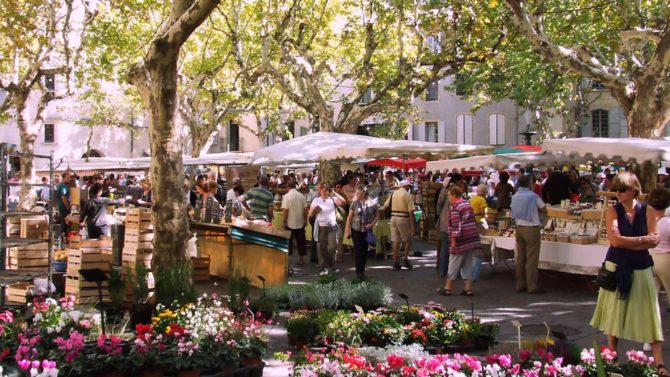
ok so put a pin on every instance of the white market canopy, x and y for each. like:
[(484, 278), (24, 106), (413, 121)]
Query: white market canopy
[(328, 146), (501, 161), (595, 148), (97, 164)]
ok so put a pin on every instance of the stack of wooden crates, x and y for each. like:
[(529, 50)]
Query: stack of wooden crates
[(137, 247), (32, 257), (429, 193), (89, 255)]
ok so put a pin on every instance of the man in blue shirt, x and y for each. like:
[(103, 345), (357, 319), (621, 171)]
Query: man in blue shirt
[(63, 199)]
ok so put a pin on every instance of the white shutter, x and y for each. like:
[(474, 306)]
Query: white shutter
[(496, 129), (441, 132)]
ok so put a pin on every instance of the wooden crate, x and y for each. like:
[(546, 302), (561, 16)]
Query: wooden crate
[(138, 218), (134, 236), (86, 259), (30, 257), (17, 292), (34, 226), (200, 269), (85, 292)]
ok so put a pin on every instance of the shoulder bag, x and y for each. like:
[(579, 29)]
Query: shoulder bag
[(606, 279)]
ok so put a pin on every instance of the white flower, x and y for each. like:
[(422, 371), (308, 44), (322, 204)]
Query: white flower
[(38, 317), (75, 315)]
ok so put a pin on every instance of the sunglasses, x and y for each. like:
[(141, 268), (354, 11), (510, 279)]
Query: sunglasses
[(621, 190)]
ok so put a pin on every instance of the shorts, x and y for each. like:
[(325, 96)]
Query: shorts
[(401, 229)]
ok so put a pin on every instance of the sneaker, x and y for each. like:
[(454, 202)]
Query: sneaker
[(396, 266), (335, 271), (323, 273), (647, 347), (407, 264)]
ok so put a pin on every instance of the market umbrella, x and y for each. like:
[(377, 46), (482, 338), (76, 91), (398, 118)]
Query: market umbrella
[(397, 163), (517, 149), (330, 146)]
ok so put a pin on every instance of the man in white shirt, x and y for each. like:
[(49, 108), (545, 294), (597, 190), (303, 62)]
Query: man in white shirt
[(294, 208)]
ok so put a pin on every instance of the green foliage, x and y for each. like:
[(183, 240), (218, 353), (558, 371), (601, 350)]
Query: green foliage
[(138, 282), (117, 286), (174, 284), (238, 291), (302, 326), (337, 294)]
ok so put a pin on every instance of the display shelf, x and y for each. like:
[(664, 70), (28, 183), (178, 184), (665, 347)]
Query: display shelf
[(15, 276), (20, 213), (15, 242), (8, 277)]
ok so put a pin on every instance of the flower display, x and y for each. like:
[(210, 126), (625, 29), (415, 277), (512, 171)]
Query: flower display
[(203, 336), (351, 362)]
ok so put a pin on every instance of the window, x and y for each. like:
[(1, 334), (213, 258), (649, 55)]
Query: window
[(431, 132), (600, 123), (433, 44), (234, 134), (290, 128), (464, 129), (49, 133), (50, 82), (496, 129), (597, 86), (303, 131), (367, 97), (431, 91)]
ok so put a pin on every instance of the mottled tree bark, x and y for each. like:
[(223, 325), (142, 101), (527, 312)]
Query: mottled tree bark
[(156, 80)]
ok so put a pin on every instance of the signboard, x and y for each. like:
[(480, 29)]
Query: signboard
[(248, 173)]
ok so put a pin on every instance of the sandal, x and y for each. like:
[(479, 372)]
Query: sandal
[(467, 293), (662, 371), (444, 292)]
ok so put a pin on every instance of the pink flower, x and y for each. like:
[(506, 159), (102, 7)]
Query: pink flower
[(7, 317), (24, 364)]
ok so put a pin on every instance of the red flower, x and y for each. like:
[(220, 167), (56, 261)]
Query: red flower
[(524, 355), (142, 329), (395, 361), (5, 352)]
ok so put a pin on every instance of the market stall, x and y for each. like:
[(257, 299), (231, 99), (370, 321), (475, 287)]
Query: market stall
[(252, 249)]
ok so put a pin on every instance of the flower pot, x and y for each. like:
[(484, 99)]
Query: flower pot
[(140, 314), (188, 373), (151, 373), (246, 361), (256, 370), (242, 372), (111, 374)]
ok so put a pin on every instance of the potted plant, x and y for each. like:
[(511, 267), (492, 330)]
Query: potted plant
[(108, 358), (141, 310), (263, 308), (174, 283), (145, 353), (117, 288), (302, 328)]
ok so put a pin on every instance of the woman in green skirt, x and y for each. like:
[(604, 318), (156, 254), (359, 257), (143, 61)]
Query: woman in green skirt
[(631, 311)]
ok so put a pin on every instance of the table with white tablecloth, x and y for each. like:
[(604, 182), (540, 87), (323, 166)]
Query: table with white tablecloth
[(555, 256)]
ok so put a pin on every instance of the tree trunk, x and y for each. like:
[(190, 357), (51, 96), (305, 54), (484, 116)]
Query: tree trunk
[(329, 172), (171, 231), (28, 136), (646, 173), (647, 115)]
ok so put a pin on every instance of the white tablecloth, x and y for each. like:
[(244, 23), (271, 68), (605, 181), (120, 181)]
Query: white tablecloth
[(557, 256)]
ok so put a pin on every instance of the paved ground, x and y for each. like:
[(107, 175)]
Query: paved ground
[(567, 307)]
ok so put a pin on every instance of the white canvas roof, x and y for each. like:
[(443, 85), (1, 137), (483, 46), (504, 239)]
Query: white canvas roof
[(327, 146), (501, 161), (595, 148)]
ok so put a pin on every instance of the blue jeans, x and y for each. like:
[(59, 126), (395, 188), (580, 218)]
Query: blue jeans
[(444, 254)]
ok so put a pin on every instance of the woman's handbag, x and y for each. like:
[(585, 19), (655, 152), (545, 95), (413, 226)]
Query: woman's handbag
[(606, 279), (370, 238)]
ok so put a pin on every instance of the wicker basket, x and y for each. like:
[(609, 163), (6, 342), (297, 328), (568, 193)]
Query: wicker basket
[(558, 212), (563, 237), (582, 240)]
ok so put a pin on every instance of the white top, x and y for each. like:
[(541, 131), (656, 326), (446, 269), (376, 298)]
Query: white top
[(295, 202), (327, 215), (535, 221), (663, 229)]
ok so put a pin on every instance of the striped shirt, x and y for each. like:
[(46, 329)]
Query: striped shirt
[(463, 228), (260, 199)]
